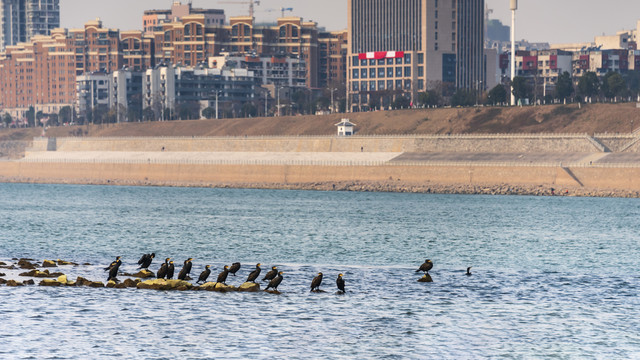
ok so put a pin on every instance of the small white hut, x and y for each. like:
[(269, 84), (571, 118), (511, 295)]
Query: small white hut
[(345, 127)]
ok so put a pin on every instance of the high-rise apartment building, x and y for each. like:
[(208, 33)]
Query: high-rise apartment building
[(22, 19), (406, 46)]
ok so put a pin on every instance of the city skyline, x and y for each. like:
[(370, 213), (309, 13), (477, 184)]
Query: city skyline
[(583, 19)]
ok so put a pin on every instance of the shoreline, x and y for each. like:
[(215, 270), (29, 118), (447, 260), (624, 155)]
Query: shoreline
[(363, 186)]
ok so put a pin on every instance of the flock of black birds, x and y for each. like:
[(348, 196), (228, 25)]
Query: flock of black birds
[(274, 276), (167, 270)]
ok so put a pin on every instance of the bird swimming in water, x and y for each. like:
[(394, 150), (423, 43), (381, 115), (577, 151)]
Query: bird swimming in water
[(275, 282), (113, 269), (222, 277), (271, 274), (254, 274), (186, 269), (162, 272), (340, 283), (234, 268), (170, 270), (113, 263), (428, 265), (315, 283), (146, 260), (468, 271), (204, 275)]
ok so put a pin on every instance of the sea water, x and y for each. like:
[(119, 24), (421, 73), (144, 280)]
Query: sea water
[(552, 277)]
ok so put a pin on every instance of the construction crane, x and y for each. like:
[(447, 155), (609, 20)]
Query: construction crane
[(283, 9), (250, 3)]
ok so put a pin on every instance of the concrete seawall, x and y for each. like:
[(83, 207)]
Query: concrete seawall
[(330, 163)]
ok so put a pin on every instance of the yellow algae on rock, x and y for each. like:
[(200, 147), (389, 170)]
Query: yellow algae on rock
[(49, 282), (214, 286), (249, 287), (62, 279), (49, 263)]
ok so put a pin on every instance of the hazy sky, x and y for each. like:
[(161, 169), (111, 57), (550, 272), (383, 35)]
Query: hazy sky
[(554, 21)]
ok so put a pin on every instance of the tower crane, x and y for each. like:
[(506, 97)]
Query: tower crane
[(250, 3)]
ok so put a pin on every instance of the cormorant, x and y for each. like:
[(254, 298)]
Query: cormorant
[(204, 275), (170, 270), (426, 266), (113, 269), (234, 268), (146, 260), (222, 277), (315, 283), (340, 283), (162, 272), (275, 281), (112, 263), (271, 274), (254, 274), (469, 271), (186, 269)]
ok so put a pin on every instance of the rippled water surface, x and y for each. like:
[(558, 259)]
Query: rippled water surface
[(553, 277)]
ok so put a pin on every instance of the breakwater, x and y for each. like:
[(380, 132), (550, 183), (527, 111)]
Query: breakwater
[(497, 164)]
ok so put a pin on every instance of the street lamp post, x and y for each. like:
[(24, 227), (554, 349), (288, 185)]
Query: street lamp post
[(217, 93), (513, 7), (332, 104)]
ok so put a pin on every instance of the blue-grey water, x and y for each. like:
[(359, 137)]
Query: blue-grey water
[(553, 277)]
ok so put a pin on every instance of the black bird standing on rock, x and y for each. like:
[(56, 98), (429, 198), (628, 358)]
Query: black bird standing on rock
[(170, 270), (340, 283), (271, 274), (186, 269), (234, 268), (204, 275), (113, 263), (428, 265), (315, 283), (113, 270), (222, 277), (146, 260), (469, 271), (275, 282), (162, 272), (254, 274)]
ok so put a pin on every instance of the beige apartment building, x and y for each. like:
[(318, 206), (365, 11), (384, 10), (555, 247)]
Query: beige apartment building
[(407, 46)]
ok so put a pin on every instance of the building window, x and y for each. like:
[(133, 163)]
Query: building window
[(399, 60), (436, 25), (398, 71), (390, 72), (398, 84), (407, 84), (390, 61), (435, 46), (356, 86), (420, 84), (381, 72), (372, 73), (363, 73), (435, 13), (420, 58), (372, 62), (354, 60), (420, 71), (381, 62), (372, 85), (436, 35), (407, 58), (363, 62), (355, 73), (380, 84), (436, 3), (390, 84), (407, 71)]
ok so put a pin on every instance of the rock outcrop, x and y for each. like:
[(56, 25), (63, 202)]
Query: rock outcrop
[(14, 283), (49, 263), (50, 282), (26, 264), (214, 286), (249, 287), (41, 274), (142, 274), (425, 278), (162, 284)]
